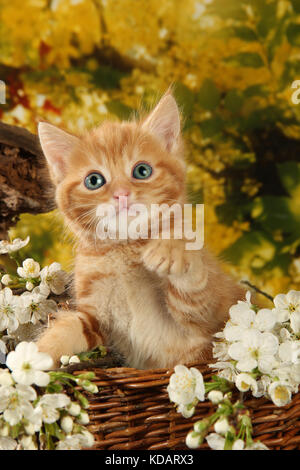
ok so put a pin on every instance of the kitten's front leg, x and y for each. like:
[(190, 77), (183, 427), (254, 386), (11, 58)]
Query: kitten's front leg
[(166, 257), (71, 332)]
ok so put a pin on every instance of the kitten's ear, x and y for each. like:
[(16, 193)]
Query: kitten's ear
[(57, 146), (164, 122)]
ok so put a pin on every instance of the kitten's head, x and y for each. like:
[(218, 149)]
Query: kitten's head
[(140, 161)]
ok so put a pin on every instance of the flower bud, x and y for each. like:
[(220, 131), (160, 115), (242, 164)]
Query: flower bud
[(74, 360), (201, 426), (29, 285), (239, 444), (65, 360), (193, 440), (88, 438), (215, 396), (66, 424), (222, 426), (90, 387), (83, 418), (74, 409), (6, 280)]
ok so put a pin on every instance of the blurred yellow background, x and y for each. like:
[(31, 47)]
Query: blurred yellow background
[(76, 63)]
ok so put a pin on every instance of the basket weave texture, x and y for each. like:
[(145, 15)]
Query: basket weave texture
[(132, 411)]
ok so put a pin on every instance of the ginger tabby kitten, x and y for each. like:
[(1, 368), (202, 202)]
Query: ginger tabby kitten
[(153, 301)]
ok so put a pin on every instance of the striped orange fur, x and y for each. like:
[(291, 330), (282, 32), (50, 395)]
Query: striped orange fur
[(153, 301)]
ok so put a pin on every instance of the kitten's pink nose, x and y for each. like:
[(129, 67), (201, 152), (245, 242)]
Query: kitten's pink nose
[(121, 193)]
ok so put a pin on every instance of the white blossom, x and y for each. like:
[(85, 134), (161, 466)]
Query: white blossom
[(287, 308), (29, 269), (71, 442), (220, 351), (7, 443), (55, 278), (215, 441), (35, 305), (185, 385), (50, 404), (28, 443), (262, 386), (289, 351), (15, 403), (280, 393), (255, 349), (9, 310), (87, 438), (9, 247), (5, 377), (243, 317), (27, 364), (245, 382)]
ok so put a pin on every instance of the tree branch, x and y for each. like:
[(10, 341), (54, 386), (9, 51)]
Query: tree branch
[(24, 179)]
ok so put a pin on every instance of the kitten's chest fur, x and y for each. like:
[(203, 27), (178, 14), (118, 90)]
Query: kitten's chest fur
[(129, 303)]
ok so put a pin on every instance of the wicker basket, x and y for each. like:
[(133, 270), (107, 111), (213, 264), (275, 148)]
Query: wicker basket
[(132, 411)]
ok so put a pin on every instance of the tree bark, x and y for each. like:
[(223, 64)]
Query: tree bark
[(25, 185)]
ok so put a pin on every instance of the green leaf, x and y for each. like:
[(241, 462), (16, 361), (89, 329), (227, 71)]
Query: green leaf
[(227, 9), (296, 5), (233, 101), (185, 98), (268, 14), (278, 37), (273, 213), (291, 70), (233, 210), (255, 90), (293, 34), (121, 110), (208, 96), (245, 59), (251, 249), (106, 77), (241, 32), (261, 118), (289, 174), (211, 127), (54, 388), (81, 398)]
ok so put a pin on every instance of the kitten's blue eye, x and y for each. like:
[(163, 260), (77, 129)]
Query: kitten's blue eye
[(142, 171), (94, 181)]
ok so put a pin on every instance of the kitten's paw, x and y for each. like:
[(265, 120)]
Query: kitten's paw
[(166, 257)]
